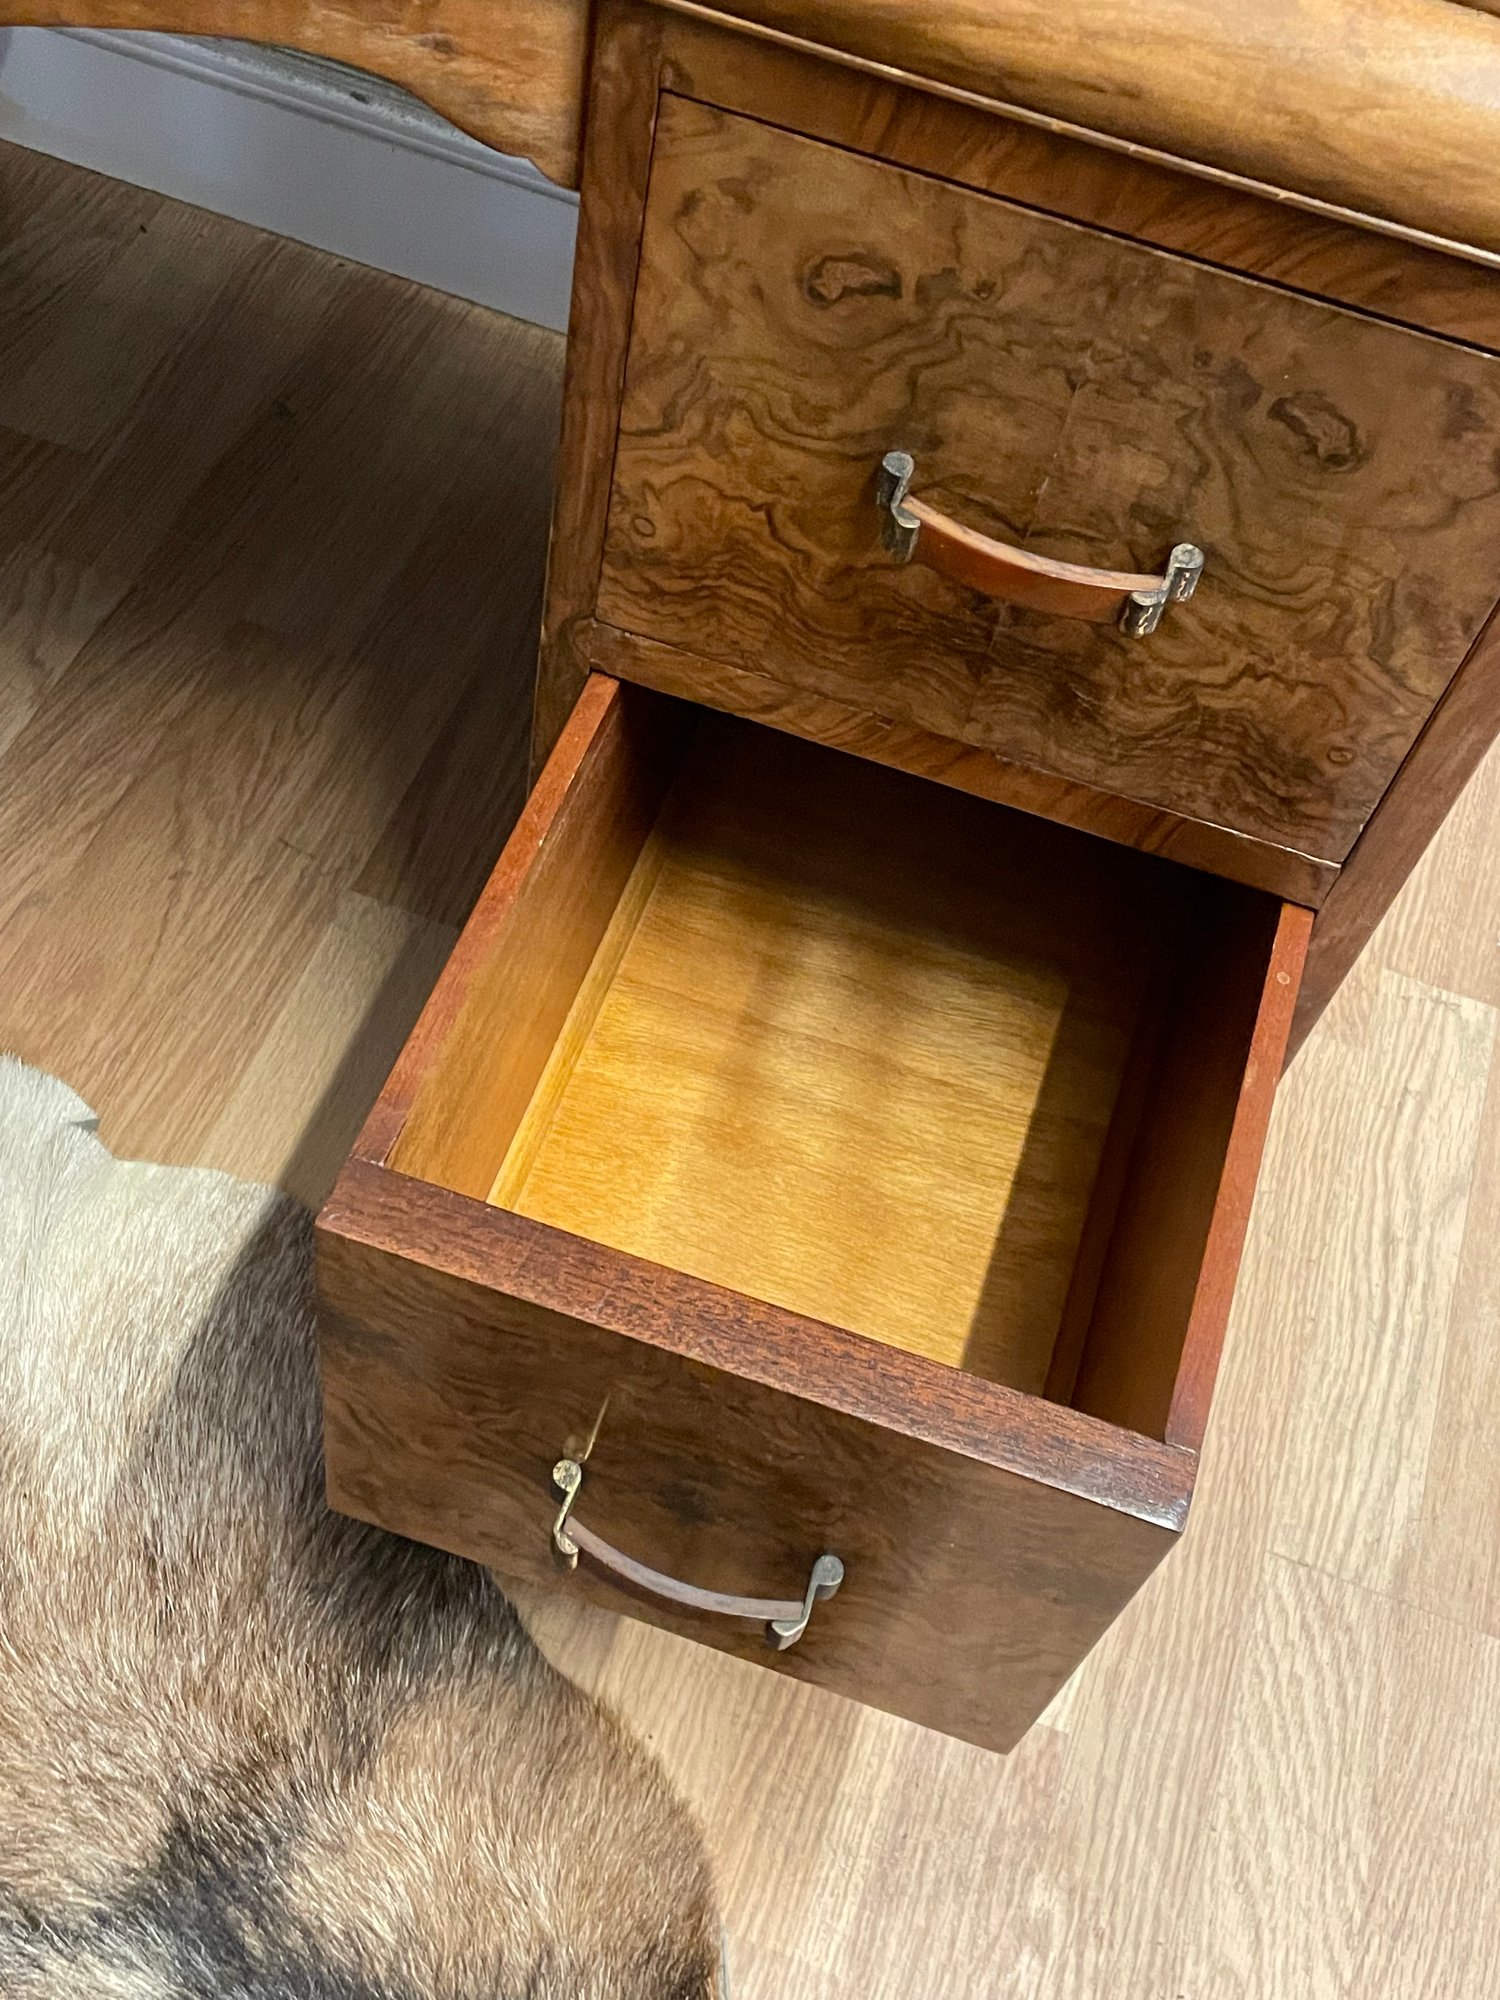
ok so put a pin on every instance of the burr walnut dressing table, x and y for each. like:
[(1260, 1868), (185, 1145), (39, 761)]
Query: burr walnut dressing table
[(1021, 599)]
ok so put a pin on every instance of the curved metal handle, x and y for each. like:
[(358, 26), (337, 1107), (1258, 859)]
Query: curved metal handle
[(913, 531), (785, 1618)]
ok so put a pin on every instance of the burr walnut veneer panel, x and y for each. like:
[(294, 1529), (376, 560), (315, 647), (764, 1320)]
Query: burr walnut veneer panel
[(802, 309)]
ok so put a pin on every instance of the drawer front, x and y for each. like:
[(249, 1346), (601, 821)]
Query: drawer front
[(456, 1377), (802, 310)]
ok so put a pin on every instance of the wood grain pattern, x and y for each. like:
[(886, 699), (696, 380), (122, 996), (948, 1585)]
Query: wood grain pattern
[(739, 690), (1438, 1560), (783, 339), (1439, 765), (1303, 97), (1213, 1294), (466, 1347), (295, 1108), (800, 1045), (1175, 1245), (1439, 927), (1373, 1663), (534, 1126), (508, 71), (1304, 94), (241, 601), (1129, 196), (847, 1047), (492, 912), (504, 999), (838, 1067), (1252, 1736), (622, 120), (1403, 1258)]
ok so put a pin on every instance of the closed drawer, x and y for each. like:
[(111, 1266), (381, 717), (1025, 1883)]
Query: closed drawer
[(832, 1164), (801, 310)]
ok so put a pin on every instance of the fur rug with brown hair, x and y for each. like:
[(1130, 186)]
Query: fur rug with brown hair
[(248, 1748)]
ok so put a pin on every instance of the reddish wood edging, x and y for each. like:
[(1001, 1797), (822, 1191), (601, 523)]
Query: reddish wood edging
[(808, 1359), (588, 736), (1419, 798), (623, 97), (1203, 1349)]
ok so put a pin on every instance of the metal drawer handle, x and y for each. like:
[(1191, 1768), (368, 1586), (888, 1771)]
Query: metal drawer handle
[(785, 1618), (912, 530)]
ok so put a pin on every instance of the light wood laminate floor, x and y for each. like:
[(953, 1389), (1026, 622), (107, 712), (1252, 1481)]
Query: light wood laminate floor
[(271, 537)]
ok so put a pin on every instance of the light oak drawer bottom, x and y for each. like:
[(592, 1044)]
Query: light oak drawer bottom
[(841, 1164)]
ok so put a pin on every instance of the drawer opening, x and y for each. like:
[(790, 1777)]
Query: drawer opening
[(861, 1046)]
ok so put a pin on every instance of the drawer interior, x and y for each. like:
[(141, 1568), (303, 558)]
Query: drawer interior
[(864, 1047)]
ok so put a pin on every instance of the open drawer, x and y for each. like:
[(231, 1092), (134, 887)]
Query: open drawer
[(830, 1164)]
